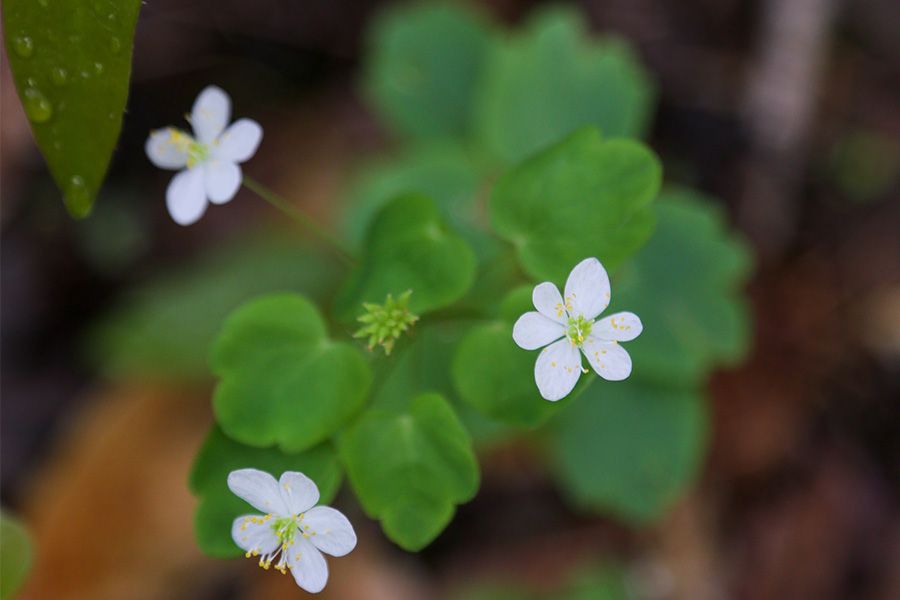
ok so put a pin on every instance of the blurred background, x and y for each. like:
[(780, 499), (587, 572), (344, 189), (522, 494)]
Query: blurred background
[(788, 111)]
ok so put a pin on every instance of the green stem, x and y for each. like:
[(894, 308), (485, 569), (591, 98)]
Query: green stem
[(300, 218)]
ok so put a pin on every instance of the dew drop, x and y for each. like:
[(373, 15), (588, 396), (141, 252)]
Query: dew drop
[(24, 46), (115, 45), (59, 76), (78, 198), (31, 81), (37, 107), (98, 68), (85, 74)]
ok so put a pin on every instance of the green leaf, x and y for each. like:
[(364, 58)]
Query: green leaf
[(443, 171), (16, 553), (582, 197), (283, 381), (218, 507), (685, 286), (408, 247), (549, 80), (71, 61), (411, 468), (495, 376), (164, 329), (425, 62), (630, 448)]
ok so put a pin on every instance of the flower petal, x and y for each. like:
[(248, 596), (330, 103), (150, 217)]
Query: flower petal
[(239, 142), (587, 289), (329, 530), (222, 180), (308, 566), (168, 148), (609, 359), (622, 327), (557, 370), (259, 489), (298, 491), (210, 114), (533, 330), (549, 303), (251, 534), (186, 196)]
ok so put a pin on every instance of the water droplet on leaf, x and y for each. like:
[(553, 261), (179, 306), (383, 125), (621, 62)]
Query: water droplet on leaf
[(98, 67), (77, 196), (59, 76), (24, 46), (37, 107), (115, 44)]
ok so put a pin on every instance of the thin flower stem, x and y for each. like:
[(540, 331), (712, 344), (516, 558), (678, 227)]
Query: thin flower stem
[(301, 218)]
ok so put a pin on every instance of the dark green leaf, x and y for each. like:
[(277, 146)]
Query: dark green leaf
[(164, 329), (582, 197), (424, 64), (685, 285), (410, 469), (283, 381), (630, 448), (549, 80), (15, 555), (408, 247), (71, 61), (218, 507)]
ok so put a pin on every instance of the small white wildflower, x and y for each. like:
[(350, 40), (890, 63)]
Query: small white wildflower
[(559, 364), (211, 157), (291, 534)]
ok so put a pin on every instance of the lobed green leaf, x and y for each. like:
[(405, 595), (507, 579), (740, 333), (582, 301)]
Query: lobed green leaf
[(581, 197), (410, 468), (282, 380)]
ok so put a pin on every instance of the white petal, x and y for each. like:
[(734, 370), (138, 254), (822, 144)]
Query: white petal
[(239, 142), (587, 289), (622, 327), (557, 370), (210, 114), (186, 196), (168, 148), (259, 489), (253, 536), (533, 330), (609, 359), (549, 303), (298, 491), (222, 180), (329, 530), (308, 566)]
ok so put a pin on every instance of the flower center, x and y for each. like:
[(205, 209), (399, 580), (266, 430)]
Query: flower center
[(578, 329), (285, 529), (197, 153)]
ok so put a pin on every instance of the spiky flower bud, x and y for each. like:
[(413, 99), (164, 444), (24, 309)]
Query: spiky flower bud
[(384, 323)]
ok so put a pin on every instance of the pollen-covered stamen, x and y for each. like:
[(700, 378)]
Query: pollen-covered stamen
[(578, 329), (285, 529)]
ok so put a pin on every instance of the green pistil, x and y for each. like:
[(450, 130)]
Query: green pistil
[(197, 153), (578, 329), (384, 323), (285, 528)]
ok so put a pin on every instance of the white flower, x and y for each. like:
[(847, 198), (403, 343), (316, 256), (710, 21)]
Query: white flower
[(573, 324), (211, 156), (291, 533)]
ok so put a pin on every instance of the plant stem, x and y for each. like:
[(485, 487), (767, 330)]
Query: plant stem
[(300, 218)]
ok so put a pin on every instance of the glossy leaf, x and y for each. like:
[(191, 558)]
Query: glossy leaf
[(164, 329), (408, 247), (16, 553), (218, 506), (410, 468), (425, 63), (582, 197), (282, 380), (71, 61), (630, 448), (685, 285), (550, 79)]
